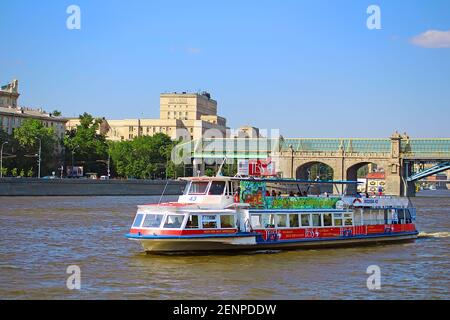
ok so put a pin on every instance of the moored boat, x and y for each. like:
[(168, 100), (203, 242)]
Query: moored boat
[(230, 213)]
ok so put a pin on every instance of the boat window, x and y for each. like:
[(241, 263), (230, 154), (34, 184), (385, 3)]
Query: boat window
[(256, 221), (227, 221), (408, 216), (327, 220), (152, 221), (192, 222), (386, 216), (337, 219), (348, 221), (305, 220), (209, 222), (376, 216), (217, 188), (401, 215), (138, 220), (269, 221), (293, 221), (316, 220), (230, 188), (186, 189), (281, 220), (198, 187), (173, 221)]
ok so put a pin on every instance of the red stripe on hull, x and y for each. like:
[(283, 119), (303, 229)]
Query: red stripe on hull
[(334, 232), (187, 232)]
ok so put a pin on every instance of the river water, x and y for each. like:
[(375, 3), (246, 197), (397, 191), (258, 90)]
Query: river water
[(41, 236)]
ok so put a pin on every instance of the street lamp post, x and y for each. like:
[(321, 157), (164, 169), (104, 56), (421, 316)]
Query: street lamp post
[(1, 159), (73, 153), (109, 161), (39, 158)]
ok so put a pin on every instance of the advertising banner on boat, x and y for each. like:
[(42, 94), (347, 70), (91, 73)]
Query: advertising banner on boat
[(261, 168), (253, 192)]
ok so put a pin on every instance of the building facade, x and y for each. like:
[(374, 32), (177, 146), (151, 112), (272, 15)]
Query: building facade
[(246, 132), (12, 115), (182, 115)]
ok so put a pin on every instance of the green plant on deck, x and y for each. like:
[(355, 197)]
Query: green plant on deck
[(14, 172), (299, 203), (30, 173)]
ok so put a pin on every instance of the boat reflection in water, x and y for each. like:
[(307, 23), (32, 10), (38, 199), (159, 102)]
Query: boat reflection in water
[(229, 213)]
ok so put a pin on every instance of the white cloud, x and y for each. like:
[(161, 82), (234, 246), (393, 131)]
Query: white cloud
[(432, 39)]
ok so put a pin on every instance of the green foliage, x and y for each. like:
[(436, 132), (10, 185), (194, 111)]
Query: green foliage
[(30, 173), (25, 145), (4, 171), (31, 130), (14, 172), (299, 203), (22, 173), (143, 157), (86, 146), (174, 171), (229, 170), (209, 172), (56, 113), (320, 170)]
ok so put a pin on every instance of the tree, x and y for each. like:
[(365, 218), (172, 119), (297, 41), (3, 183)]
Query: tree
[(209, 172), (86, 145), (56, 113), (143, 157), (27, 137)]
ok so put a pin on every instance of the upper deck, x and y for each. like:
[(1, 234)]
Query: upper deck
[(226, 192)]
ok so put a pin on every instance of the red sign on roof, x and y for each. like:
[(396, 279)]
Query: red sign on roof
[(376, 175), (262, 168)]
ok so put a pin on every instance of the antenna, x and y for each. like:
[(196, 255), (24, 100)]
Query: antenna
[(219, 171), (162, 194)]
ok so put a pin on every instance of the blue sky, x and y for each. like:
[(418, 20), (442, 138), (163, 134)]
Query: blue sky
[(309, 68)]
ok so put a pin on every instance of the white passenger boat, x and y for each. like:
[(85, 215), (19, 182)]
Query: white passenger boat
[(229, 213)]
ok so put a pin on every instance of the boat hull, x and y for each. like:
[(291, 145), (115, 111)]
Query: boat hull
[(249, 243)]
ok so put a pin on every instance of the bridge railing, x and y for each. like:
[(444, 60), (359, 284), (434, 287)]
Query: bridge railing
[(263, 147), (426, 148), (346, 145)]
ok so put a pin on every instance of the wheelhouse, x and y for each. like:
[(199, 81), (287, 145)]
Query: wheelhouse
[(210, 187), (192, 220)]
